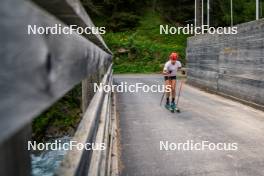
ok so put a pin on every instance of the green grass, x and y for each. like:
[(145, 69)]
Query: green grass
[(147, 50)]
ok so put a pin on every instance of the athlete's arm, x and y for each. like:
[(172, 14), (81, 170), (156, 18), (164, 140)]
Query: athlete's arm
[(179, 65), (165, 70)]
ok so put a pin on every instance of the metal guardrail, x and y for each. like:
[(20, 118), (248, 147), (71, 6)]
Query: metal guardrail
[(97, 126), (71, 12), (37, 70)]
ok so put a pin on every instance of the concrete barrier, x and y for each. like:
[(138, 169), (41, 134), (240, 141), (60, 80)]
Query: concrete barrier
[(232, 65)]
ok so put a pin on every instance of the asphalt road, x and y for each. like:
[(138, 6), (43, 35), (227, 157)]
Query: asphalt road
[(204, 117)]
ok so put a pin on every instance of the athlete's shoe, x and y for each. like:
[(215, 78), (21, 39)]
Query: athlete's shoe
[(167, 105), (173, 105)]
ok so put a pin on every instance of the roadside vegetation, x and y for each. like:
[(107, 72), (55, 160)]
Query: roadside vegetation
[(59, 120), (143, 49)]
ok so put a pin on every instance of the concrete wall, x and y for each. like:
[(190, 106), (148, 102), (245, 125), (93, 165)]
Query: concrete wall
[(230, 64)]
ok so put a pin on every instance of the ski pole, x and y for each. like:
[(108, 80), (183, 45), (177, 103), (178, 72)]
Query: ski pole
[(162, 98)]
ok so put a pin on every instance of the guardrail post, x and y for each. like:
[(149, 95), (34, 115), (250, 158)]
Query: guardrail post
[(87, 91), (15, 157)]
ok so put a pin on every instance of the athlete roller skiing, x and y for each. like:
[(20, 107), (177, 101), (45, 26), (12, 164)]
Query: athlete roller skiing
[(170, 69)]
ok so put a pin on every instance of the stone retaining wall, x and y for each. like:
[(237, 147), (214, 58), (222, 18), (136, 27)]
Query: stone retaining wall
[(230, 64)]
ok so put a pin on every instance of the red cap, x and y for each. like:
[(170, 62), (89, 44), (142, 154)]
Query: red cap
[(174, 56)]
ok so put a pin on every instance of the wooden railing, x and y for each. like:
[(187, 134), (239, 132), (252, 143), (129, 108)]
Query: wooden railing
[(37, 70)]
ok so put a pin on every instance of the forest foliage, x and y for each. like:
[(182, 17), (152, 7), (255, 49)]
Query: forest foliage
[(133, 26), (126, 12)]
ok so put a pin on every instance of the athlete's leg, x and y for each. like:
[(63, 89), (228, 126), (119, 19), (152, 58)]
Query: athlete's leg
[(173, 89), (168, 83), (173, 93), (168, 91)]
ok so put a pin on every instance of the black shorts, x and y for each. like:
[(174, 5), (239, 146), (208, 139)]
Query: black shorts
[(169, 78)]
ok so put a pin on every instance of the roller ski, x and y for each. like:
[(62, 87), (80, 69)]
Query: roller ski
[(172, 107), (168, 106)]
